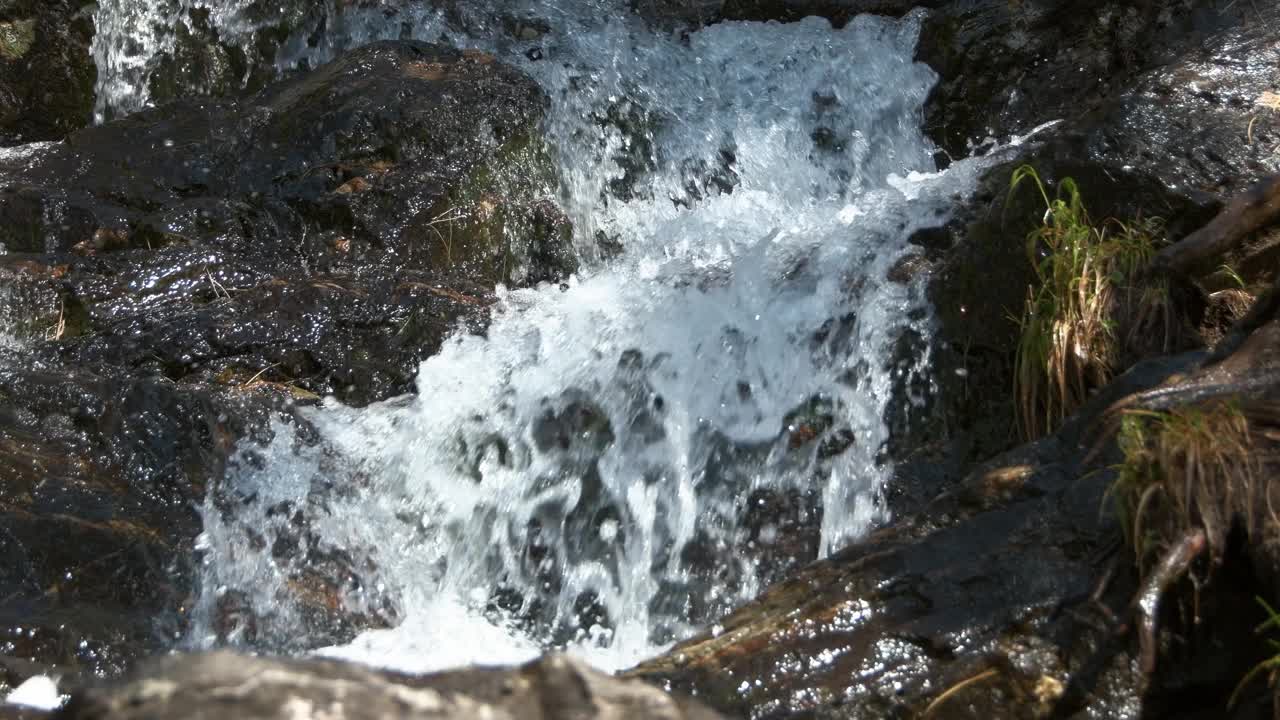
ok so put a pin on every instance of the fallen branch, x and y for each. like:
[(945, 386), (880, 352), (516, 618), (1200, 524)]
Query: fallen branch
[(1252, 210)]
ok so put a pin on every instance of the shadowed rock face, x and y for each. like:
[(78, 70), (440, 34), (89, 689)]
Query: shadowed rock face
[(178, 278), (1157, 147), (102, 473), (200, 686), (46, 71)]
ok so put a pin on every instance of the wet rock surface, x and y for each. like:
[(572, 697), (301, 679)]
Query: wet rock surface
[(46, 72), (1043, 61), (1008, 596), (102, 476), (199, 686), (376, 199), (216, 262), (177, 280)]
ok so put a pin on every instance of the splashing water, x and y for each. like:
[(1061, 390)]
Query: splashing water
[(626, 457)]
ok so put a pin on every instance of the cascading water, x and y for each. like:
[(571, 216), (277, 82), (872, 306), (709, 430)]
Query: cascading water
[(590, 472)]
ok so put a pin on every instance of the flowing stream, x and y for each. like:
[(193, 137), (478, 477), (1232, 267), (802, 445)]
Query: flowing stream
[(622, 458)]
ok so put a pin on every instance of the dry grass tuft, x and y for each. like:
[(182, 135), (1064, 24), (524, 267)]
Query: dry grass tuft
[(1070, 342), (1198, 466)]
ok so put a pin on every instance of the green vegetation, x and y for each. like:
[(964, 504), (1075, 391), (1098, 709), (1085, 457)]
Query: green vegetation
[(1271, 665), (1086, 276)]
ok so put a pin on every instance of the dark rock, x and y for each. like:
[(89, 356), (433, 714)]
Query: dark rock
[(1008, 67), (377, 158), (986, 593), (1201, 124), (366, 205), (359, 336), (47, 74), (979, 269), (180, 279), (213, 685), (102, 474), (17, 712), (880, 628)]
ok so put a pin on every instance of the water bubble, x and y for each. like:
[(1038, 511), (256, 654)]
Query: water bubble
[(609, 530)]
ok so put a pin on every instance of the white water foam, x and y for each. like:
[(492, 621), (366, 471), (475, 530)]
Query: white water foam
[(581, 475), (39, 692)]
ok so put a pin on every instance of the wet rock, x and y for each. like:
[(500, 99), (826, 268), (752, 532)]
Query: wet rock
[(880, 628), (404, 154), (986, 604), (210, 686), (977, 262), (1051, 60), (1201, 123), (102, 474), (180, 280), (46, 72), (324, 234), (357, 336)]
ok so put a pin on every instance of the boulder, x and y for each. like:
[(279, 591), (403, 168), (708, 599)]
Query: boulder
[(47, 73), (370, 204), (102, 473), (179, 281), (216, 684)]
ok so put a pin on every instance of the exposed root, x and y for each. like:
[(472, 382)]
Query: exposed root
[(1255, 208), (1172, 567)]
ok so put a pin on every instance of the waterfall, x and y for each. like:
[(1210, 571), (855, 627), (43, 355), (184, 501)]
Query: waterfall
[(623, 458)]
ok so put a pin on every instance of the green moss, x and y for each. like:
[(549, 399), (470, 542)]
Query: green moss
[(492, 225), (16, 38)]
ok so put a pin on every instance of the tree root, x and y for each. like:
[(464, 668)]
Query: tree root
[(1172, 566), (1251, 210)]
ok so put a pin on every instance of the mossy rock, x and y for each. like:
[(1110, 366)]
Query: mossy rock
[(16, 38), (47, 74), (500, 223)]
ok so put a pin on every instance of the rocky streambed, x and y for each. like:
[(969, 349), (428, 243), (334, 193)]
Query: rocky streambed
[(441, 333)]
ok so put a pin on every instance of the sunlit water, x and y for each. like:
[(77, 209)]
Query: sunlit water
[(581, 474)]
